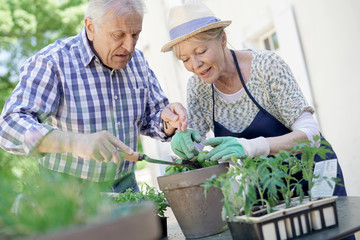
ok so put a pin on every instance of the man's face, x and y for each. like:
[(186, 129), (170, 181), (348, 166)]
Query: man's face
[(114, 41)]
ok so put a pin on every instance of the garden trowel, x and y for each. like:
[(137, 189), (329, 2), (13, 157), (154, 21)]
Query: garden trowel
[(140, 157)]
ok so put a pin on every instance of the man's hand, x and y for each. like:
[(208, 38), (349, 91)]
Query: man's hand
[(224, 148), (182, 143), (175, 117), (100, 146)]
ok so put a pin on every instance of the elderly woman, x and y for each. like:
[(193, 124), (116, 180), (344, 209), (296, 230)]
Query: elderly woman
[(248, 98)]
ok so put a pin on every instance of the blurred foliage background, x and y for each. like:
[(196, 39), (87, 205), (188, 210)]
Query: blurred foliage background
[(27, 26)]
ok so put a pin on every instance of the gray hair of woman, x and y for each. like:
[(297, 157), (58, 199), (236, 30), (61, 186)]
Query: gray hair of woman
[(98, 10)]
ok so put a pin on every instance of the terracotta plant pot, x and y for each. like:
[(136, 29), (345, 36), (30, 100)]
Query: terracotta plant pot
[(197, 216), (287, 223)]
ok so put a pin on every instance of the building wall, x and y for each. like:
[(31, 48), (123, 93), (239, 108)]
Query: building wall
[(318, 39), (330, 31)]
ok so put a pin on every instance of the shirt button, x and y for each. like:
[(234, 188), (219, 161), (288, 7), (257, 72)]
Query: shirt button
[(118, 123), (116, 97)]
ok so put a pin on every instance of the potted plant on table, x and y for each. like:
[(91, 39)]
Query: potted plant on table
[(264, 206), (150, 194), (197, 215)]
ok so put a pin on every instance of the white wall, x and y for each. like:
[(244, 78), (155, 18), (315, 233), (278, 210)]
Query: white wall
[(328, 33), (168, 70)]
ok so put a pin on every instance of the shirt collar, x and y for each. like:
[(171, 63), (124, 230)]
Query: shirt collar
[(88, 54)]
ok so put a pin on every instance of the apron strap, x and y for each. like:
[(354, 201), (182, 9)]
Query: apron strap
[(213, 101), (243, 82)]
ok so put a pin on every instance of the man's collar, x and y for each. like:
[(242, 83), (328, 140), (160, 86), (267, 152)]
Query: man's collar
[(88, 54)]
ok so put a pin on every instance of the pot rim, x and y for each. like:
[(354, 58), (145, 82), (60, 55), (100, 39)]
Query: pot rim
[(190, 178)]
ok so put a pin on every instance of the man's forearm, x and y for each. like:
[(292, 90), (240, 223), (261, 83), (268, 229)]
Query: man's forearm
[(56, 142)]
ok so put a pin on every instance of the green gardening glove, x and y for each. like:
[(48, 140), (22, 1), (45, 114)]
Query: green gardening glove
[(224, 148), (182, 143)]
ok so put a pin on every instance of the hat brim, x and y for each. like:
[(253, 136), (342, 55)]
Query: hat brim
[(167, 47)]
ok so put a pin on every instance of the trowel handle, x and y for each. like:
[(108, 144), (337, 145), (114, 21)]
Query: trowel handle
[(133, 157)]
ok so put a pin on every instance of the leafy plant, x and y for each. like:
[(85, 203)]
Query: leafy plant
[(265, 181), (258, 181), (199, 159), (42, 207), (147, 194), (288, 165), (308, 152)]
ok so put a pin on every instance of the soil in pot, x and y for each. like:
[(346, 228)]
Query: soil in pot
[(194, 163)]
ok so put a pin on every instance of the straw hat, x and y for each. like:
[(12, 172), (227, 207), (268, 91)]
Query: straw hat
[(188, 20)]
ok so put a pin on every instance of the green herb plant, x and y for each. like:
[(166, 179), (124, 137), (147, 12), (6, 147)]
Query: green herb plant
[(288, 165), (198, 159), (146, 193), (257, 182), (266, 181)]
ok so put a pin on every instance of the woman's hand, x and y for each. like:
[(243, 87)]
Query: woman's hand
[(225, 147), (182, 143)]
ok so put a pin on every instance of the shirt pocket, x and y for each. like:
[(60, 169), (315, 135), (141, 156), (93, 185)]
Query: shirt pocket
[(137, 111)]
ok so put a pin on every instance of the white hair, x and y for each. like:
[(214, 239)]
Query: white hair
[(98, 10)]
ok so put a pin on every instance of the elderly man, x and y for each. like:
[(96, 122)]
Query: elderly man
[(82, 102)]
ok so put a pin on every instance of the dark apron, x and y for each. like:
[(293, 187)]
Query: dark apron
[(266, 125)]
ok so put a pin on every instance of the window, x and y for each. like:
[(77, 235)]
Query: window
[(269, 41)]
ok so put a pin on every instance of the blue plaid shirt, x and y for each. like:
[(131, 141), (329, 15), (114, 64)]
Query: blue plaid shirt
[(66, 87)]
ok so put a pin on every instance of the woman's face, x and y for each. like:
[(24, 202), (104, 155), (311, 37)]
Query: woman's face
[(203, 58)]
